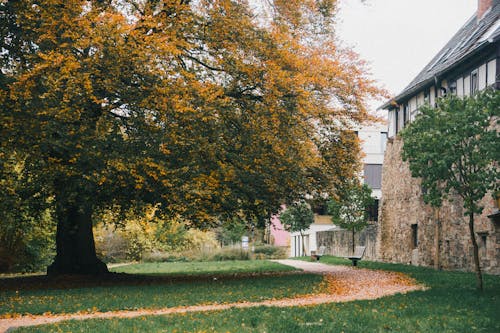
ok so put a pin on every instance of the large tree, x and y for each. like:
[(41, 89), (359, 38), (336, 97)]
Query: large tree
[(453, 149), (201, 107)]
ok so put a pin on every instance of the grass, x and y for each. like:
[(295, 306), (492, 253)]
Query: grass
[(201, 268), (160, 292), (450, 305)]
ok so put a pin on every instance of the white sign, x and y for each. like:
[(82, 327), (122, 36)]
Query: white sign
[(244, 242)]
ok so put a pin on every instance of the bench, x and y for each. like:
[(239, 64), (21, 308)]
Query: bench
[(359, 251), (317, 256)]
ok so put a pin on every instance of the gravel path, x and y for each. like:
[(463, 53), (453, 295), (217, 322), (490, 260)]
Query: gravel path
[(343, 284)]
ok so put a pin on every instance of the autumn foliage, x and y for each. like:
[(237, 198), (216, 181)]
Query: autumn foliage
[(203, 107)]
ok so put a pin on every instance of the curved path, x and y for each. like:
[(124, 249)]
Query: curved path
[(343, 284)]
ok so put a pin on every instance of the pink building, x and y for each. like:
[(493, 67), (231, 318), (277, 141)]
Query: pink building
[(279, 236)]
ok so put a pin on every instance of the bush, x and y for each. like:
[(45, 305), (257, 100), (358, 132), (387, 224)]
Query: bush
[(111, 246), (230, 231), (27, 226), (145, 236), (158, 256), (27, 240), (230, 254), (270, 252), (127, 237)]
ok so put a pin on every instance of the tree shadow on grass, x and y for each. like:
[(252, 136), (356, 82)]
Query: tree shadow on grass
[(40, 282)]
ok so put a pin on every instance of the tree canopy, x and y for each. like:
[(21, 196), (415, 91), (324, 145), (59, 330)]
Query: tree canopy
[(453, 148), (199, 106), (297, 217)]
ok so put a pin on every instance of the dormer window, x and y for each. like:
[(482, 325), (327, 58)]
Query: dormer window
[(474, 82), (443, 91), (453, 87), (427, 97)]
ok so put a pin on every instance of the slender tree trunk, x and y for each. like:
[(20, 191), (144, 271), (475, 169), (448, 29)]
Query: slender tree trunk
[(353, 245), (436, 239), (75, 243), (476, 252)]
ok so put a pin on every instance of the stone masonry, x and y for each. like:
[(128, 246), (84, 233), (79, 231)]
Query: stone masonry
[(339, 242), (408, 230)]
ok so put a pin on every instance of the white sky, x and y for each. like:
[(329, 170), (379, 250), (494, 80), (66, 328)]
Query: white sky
[(399, 37)]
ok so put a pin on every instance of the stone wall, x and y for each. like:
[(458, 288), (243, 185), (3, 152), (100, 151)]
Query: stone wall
[(339, 242), (402, 212)]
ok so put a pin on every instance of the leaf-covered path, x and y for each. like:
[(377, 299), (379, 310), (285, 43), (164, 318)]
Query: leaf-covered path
[(343, 284)]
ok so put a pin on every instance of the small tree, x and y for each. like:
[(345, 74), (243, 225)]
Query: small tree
[(454, 148), (231, 230), (297, 218), (350, 209)]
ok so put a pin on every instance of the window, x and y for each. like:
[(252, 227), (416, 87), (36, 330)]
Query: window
[(483, 237), (383, 140), (427, 96), (297, 247), (414, 236), (474, 82), (423, 189), (402, 117), (453, 87), (372, 211), (396, 112), (320, 208), (443, 91), (373, 175)]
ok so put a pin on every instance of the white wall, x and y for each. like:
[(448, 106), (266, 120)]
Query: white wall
[(310, 236), (373, 143)]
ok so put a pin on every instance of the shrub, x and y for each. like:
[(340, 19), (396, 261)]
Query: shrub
[(27, 226), (144, 236), (111, 246), (271, 252), (231, 254), (230, 231), (125, 237), (27, 240), (158, 256)]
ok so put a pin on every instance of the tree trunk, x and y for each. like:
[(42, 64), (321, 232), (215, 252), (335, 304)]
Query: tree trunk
[(75, 243), (353, 245), (476, 252), (436, 239)]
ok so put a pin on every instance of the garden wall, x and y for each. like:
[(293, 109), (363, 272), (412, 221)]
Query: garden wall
[(339, 242)]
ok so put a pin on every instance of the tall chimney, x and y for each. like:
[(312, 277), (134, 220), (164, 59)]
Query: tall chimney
[(484, 5)]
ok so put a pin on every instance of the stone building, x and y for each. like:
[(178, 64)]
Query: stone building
[(409, 230)]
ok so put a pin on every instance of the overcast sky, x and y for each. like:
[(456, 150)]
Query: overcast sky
[(399, 37)]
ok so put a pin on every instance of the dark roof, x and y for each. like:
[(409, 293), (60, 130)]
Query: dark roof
[(472, 37)]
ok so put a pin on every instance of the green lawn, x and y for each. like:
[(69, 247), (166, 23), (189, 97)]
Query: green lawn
[(160, 292), (200, 268), (450, 305)]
